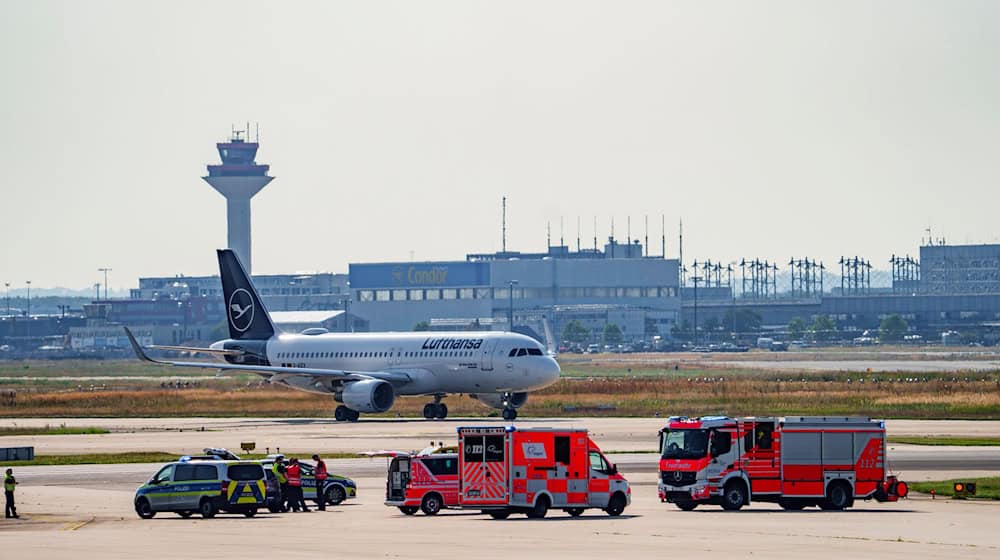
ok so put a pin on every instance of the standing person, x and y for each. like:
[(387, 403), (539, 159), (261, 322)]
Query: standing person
[(279, 473), (8, 493), (320, 483), (294, 474)]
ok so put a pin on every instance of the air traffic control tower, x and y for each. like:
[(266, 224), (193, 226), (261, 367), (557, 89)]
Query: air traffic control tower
[(238, 179)]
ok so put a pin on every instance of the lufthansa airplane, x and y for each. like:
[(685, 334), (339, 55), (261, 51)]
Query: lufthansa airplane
[(366, 371)]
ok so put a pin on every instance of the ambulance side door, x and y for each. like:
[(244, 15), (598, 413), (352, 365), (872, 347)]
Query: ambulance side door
[(600, 480)]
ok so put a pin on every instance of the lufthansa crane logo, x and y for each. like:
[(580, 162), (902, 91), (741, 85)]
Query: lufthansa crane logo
[(241, 310)]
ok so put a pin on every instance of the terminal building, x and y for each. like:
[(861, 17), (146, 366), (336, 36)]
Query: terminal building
[(639, 294)]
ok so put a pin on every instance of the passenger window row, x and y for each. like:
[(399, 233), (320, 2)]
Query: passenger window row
[(437, 354)]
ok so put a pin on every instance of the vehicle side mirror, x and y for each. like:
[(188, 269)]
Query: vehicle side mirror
[(154, 481), (614, 469)]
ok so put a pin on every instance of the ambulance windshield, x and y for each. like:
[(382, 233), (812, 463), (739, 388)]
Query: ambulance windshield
[(685, 444)]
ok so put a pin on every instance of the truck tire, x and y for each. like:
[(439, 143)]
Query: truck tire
[(541, 508), (144, 509), (408, 510), (499, 514), (838, 496), (207, 508), (686, 504), (792, 504), (616, 505), (734, 495), (431, 504)]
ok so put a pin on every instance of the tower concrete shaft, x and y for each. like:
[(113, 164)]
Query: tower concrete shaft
[(238, 179)]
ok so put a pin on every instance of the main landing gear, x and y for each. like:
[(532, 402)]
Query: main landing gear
[(344, 414), (436, 409), (509, 412)]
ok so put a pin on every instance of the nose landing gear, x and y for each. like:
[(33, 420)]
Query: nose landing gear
[(509, 412)]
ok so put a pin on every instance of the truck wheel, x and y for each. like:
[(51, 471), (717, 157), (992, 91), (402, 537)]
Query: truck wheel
[(499, 514), (541, 508), (144, 509), (792, 504), (408, 510), (431, 504), (686, 504), (616, 505), (207, 508), (734, 495), (575, 512), (335, 494), (838, 496)]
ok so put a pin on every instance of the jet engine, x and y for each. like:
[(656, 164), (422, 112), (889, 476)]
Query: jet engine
[(496, 400), (368, 395)]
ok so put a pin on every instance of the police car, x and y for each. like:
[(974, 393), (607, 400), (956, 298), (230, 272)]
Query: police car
[(203, 485), (337, 488)]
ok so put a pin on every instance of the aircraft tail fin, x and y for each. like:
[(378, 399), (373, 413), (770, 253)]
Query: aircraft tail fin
[(245, 312)]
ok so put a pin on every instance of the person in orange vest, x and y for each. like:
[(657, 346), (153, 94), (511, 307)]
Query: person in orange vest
[(320, 483), (294, 475)]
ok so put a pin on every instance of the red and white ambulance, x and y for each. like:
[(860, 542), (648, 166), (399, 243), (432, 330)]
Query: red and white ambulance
[(424, 481), (504, 470), (794, 461)]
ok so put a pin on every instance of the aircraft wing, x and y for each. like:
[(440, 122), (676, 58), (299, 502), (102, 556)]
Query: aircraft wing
[(199, 350), (274, 373)]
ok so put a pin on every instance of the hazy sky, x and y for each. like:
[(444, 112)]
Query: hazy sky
[(393, 129)]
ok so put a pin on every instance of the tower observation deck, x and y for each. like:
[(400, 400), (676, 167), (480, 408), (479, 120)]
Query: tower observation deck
[(238, 179)]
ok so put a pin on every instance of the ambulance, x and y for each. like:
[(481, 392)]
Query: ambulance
[(795, 462), (505, 470)]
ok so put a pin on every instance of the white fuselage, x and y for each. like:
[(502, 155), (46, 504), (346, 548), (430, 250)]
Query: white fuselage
[(452, 362)]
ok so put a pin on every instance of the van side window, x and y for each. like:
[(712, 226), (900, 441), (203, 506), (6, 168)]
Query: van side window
[(205, 472), (183, 473), (562, 449), (439, 467), (765, 433)]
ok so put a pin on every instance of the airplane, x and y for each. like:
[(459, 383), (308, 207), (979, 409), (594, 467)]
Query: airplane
[(365, 372)]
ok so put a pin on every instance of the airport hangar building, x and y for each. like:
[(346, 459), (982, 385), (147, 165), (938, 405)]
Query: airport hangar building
[(639, 294)]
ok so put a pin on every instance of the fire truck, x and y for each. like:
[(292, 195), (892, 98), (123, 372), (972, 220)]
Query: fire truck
[(424, 481), (505, 470), (794, 461)]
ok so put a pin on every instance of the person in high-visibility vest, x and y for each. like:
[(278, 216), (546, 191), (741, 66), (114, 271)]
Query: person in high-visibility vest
[(320, 483), (294, 474), (9, 483), (279, 473)]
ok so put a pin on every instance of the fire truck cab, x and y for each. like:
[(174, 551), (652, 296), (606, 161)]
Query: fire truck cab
[(794, 461), (425, 481), (504, 470)]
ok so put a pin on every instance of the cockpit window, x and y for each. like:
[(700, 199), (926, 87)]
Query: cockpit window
[(513, 352), (522, 352), (534, 352)]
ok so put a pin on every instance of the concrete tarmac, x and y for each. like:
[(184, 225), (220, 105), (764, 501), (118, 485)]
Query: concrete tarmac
[(85, 511)]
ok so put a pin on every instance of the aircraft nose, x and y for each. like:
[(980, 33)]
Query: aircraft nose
[(551, 369)]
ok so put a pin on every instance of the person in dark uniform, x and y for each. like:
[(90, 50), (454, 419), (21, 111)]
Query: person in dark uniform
[(9, 483)]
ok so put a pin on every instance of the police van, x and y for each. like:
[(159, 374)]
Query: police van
[(204, 486)]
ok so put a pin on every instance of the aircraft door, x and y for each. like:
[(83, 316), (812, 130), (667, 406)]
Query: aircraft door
[(487, 355)]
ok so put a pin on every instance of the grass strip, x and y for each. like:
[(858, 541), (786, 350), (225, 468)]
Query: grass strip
[(47, 430), (945, 440), (144, 457), (988, 487)]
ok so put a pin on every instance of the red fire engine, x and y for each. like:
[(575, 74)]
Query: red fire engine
[(795, 461), (504, 470), (425, 481)]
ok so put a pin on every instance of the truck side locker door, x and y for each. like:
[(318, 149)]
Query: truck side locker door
[(578, 472)]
